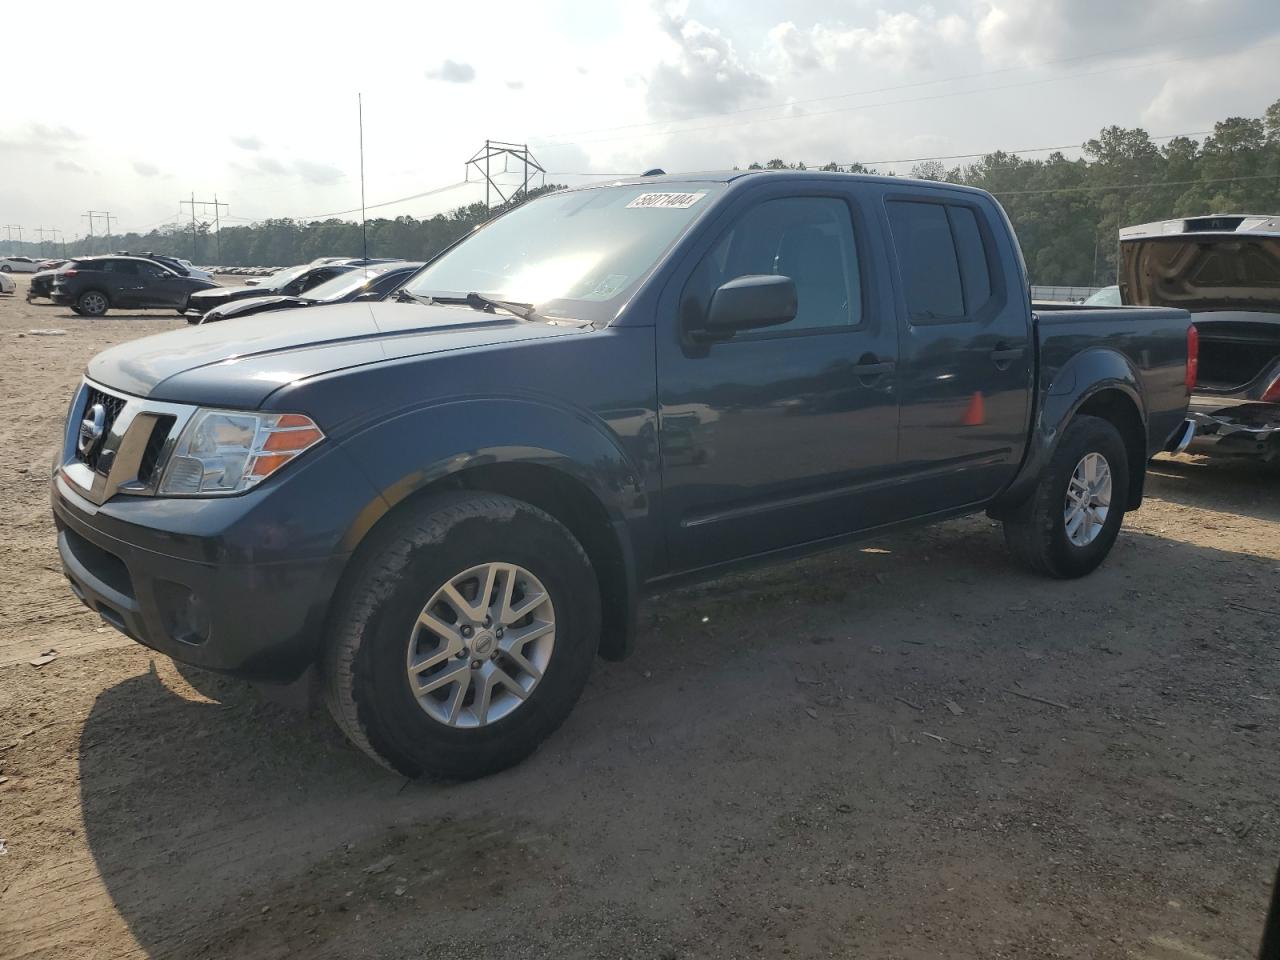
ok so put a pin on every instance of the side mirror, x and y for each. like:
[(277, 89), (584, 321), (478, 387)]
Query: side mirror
[(748, 303)]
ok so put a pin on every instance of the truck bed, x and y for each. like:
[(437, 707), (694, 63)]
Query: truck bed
[(1152, 339)]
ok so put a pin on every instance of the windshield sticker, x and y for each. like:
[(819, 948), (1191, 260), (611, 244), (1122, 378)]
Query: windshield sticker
[(609, 286), (678, 201)]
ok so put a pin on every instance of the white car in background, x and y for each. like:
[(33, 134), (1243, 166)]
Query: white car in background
[(196, 271), (7, 283), (17, 265)]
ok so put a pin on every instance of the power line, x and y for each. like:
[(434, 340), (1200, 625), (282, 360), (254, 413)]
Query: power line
[(986, 153), (903, 86), (886, 103), (384, 203), (1134, 186)]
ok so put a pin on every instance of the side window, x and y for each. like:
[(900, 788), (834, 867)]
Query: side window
[(973, 258), (810, 240), (128, 268), (927, 255)]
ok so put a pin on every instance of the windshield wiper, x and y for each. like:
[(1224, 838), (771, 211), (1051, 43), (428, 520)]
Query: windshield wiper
[(404, 296), (478, 301)]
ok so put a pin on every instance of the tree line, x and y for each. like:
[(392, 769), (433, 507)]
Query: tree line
[(1067, 212)]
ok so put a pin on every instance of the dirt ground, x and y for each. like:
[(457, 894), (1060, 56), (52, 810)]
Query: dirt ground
[(840, 757)]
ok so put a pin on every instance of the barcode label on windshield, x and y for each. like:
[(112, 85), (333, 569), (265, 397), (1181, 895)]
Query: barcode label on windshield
[(680, 201)]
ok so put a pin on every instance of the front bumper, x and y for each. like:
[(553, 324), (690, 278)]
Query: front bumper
[(240, 585), (1236, 429)]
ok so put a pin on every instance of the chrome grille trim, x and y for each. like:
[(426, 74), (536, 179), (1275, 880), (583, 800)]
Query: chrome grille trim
[(115, 464)]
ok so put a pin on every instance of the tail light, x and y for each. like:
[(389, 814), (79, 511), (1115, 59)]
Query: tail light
[(1193, 357), (1272, 393), (69, 273)]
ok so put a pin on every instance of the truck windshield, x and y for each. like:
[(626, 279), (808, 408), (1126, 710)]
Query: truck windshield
[(573, 254)]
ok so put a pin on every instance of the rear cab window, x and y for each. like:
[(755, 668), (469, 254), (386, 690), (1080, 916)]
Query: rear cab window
[(944, 260)]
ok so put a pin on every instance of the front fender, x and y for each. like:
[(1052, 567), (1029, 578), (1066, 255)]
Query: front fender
[(418, 448), (1084, 376)]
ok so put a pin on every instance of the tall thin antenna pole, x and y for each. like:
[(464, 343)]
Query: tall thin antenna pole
[(364, 228)]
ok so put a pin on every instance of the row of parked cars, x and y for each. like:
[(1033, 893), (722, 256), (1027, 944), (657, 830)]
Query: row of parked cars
[(91, 286)]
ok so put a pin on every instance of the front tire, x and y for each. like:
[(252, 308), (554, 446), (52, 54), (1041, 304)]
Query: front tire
[(92, 303), (1075, 513), (464, 637)]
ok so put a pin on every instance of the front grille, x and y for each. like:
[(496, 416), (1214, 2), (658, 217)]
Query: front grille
[(112, 407)]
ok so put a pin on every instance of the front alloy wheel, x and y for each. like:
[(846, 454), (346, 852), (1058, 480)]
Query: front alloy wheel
[(472, 681), (481, 644)]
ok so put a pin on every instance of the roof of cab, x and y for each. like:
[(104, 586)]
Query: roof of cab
[(730, 176)]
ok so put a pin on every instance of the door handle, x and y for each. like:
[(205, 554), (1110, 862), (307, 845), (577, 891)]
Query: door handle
[(1003, 355), (870, 366)]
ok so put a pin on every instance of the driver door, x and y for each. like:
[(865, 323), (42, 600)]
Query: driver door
[(772, 438)]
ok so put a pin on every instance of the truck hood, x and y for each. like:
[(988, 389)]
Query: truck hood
[(1202, 272), (240, 362)]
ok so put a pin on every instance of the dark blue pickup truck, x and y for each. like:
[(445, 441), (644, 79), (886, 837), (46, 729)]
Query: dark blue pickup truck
[(449, 504)]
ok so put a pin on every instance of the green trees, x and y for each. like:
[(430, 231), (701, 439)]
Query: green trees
[(1068, 212), (283, 242)]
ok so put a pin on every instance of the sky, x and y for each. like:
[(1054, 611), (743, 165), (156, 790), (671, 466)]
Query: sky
[(139, 105)]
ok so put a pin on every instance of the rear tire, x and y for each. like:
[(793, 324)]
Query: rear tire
[(1063, 534), (380, 630), (92, 303)]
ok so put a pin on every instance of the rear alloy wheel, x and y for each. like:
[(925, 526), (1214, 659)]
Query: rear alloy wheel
[(92, 303), (463, 638), (1075, 512)]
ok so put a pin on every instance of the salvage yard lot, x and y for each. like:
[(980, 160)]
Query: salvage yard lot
[(906, 748)]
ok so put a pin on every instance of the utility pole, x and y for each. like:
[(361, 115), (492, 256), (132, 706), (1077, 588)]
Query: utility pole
[(41, 231), (498, 148), (107, 217), (9, 228), (90, 214), (217, 209)]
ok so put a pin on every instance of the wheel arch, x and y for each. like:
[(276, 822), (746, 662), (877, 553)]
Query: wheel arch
[(571, 469), (1099, 382)]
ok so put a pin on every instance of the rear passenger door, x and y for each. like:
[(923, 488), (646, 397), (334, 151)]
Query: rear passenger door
[(123, 282), (965, 365)]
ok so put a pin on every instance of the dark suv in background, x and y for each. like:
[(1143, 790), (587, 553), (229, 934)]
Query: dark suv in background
[(93, 285)]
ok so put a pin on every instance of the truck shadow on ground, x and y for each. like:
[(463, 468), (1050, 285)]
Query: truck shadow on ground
[(781, 764)]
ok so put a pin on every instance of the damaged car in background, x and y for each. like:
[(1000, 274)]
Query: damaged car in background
[(1225, 270)]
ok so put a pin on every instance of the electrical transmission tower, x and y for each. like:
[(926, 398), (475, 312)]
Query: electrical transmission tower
[(519, 152), (9, 228), (89, 215), (217, 222)]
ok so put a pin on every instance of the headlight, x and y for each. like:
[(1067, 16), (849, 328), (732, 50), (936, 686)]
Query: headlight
[(227, 451)]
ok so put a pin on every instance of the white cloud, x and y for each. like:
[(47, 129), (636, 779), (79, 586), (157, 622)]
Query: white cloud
[(144, 169), (247, 142), (320, 174), (1197, 96), (894, 40), (452, 71), (704, 74)]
